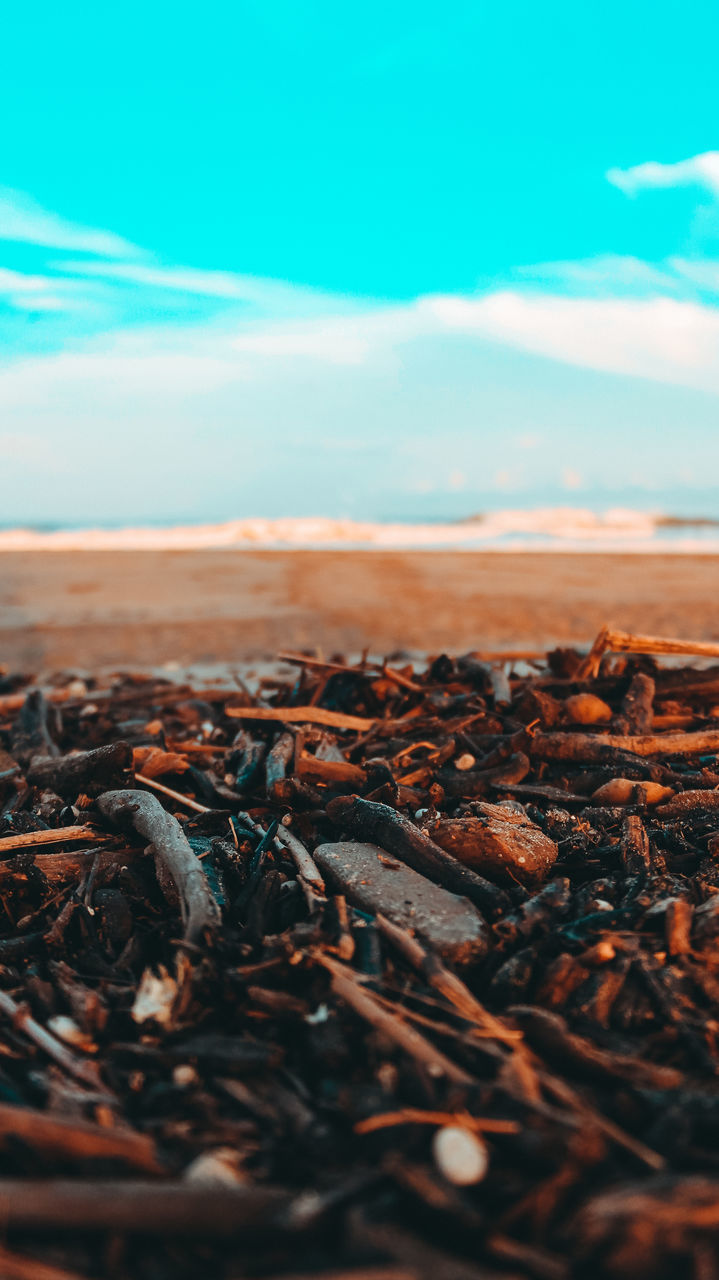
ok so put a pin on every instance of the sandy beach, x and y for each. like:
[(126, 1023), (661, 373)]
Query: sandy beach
[(88, 609)]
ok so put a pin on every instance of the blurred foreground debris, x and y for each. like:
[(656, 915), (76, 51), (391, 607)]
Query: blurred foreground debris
[(373, 972)]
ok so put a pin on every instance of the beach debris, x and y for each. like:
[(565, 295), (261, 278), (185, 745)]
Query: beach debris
[(460, 1155), (498, 841), (376, 969), (375, 882), (586, 708), (631, 791)]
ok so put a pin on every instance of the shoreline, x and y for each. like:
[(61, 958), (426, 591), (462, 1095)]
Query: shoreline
[(558, 529), (145, 608)]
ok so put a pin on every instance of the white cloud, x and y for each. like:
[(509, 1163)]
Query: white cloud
[(333, 343), (661, 339), (338, 337), (658, 338), (701, 170), (23, 220)]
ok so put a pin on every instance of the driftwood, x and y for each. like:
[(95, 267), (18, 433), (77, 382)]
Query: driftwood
[(610, 640), (306, 1083), (154, 1208), (302, 715), (18, 1266), (90, 771), (278, 761), (585, 748), (58, 1137), (38, 839), (30, 734), (147, 817)]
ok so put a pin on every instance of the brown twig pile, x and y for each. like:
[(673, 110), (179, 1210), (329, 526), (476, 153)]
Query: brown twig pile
[(378, 974)]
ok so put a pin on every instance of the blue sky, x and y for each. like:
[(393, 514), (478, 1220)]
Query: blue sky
[(379, 260)]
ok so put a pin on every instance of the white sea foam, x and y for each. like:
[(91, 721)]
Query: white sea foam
[(543, 529)]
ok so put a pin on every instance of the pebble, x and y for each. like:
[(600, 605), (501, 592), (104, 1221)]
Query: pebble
[(465, 762), (184, 1075), (375, 881), (460, 1155), (625, 791), (587, 708)]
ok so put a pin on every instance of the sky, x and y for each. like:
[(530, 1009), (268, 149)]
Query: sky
[(386, 260)]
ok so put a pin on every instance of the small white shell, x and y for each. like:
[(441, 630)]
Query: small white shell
[(460, 1155)]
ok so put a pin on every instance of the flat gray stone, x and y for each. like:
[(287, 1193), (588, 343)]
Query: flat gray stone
[(374, 880)]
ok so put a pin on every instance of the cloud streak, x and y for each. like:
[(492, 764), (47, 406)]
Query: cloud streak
[(221, 285), (24, 221), (701, 170)]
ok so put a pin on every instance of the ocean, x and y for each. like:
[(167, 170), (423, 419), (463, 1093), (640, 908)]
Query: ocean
[(540, 529)]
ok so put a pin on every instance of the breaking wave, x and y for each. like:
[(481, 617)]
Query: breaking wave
[(542, 529)]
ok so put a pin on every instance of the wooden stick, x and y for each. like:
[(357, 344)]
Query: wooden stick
[(173, 795), (149, 1208), (320, 664), (309, 766), (305, 863), (403, 681), (610, 640), (447, 983), (414, 1115), (18, 1266), (23, 1021), (386, 1272), (147, 816), (585, 747), (346, 985), (98, 769), (302, 715), (57, 835), (68, 865), (76, 1139)]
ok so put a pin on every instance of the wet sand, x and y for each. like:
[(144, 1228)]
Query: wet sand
[(88, 609)]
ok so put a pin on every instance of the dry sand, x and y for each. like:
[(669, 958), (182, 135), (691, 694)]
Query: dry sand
[(89, 609)]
